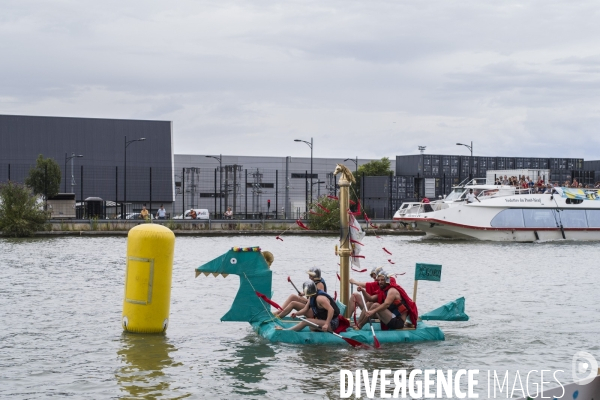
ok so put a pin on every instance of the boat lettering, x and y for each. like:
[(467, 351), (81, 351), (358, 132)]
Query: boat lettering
[(524, 200)]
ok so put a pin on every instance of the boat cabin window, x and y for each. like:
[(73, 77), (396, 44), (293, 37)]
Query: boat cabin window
[(573, 218), (546, 218), (593, 218), (540, 218), (455, 194), (509, 218)]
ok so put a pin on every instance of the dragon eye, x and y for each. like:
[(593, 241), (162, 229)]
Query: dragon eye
[(233, 261)]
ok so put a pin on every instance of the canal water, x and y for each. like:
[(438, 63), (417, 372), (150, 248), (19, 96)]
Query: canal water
[(531, 307)]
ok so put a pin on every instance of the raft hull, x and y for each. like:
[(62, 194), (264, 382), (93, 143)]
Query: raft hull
[(424, 333)]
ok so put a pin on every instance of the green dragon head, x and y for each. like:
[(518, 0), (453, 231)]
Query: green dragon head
[(255, 276)]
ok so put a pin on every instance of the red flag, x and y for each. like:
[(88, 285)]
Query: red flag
[(271, 302), (359, 270), (352, 202), (358, 256), (332, 197), (338, 275), (315, 213), (323, 208), (386, 250), (301, 225), (335, 295), (356, 241), (391, 262), (278, 238)]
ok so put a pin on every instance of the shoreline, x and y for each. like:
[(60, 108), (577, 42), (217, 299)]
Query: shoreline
[(214, 233)]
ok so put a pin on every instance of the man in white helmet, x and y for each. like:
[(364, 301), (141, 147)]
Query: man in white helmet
[(391, 304), (298, 301), (370, 287)]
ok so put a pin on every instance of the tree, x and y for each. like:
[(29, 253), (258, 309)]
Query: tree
[(20, 213), (372, 168), (45, 178), (320, 219)]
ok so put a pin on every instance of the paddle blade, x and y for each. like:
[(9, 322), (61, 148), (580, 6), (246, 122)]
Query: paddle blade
[(271, 302), (356, 343), (376, 342)]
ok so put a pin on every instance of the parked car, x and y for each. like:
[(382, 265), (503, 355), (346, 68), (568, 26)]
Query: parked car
[(133, 216), (201, 213)]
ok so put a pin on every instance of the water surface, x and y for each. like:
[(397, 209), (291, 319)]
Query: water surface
[(532, 306)]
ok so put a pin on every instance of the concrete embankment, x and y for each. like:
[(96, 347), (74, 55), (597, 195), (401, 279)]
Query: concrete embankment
[(208, 228)]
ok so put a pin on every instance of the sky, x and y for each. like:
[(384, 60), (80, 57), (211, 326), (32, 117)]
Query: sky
[(362, 78)]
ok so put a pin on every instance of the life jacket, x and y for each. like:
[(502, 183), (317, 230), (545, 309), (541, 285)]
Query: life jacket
[(399, 306), (321, 280), (321, 313)]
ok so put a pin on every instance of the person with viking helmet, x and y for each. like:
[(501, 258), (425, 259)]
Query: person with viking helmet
[(391, 304), (323, 310), (298, 301), (370, 288)]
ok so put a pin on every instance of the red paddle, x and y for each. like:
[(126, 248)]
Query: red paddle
[(351, 342), (271, 302), (290, 281)]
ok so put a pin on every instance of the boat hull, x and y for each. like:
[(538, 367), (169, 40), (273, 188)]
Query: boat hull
[(423, 333)]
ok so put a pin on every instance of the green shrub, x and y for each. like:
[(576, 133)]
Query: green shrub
[(20, 213), (320, 219)]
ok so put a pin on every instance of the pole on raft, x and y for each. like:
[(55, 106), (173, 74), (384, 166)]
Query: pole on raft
[(345, 251)]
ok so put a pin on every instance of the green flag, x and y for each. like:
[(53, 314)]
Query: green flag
[(428, 272)]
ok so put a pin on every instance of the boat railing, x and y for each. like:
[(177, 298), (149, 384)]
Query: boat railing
[(421, 208)]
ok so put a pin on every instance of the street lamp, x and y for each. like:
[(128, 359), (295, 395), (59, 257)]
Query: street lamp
[(219, 159), (318, 183), (127, 143), (471, 159), (355, 161), (67, 158), (309, 144)]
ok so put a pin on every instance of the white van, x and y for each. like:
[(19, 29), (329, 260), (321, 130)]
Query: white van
[(201, 213)]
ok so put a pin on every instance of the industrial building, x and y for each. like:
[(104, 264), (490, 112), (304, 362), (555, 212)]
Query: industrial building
[(254, 187)]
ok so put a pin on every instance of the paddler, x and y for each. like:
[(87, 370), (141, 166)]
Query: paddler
[(321, 306), (298, 301), (370, 287), (391, 304)]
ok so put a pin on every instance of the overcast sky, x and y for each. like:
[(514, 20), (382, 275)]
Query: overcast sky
[(364, 78)]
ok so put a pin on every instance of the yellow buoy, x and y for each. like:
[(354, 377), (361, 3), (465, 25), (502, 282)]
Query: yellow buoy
[(148, 276)]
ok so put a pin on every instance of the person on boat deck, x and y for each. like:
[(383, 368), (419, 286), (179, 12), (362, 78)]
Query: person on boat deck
[(471, 197), (370, 287), (324, 311), (298, 301), (391, 304)]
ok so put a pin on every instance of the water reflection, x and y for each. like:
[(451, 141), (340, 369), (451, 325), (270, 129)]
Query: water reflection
[(248, 368), (321, 365), (144, 358)]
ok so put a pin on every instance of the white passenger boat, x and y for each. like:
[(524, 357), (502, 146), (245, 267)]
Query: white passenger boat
[(506, 213)]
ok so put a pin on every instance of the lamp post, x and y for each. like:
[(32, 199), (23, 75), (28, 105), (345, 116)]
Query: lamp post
[(355, 161), (471, 159), (318, 183), (67, 158), (220, 160), (309, 144), (127, 143)]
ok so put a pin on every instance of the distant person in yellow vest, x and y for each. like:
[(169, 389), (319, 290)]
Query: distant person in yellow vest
[(144, 213)]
